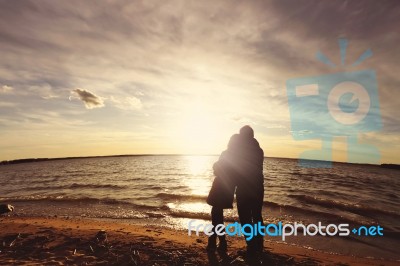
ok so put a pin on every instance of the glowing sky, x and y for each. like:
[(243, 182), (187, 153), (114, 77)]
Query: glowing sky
[(81, 78)]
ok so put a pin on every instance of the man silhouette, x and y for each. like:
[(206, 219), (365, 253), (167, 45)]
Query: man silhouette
[(250, 185)]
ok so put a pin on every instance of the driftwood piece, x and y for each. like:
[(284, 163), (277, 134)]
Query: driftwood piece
[(4, 208)]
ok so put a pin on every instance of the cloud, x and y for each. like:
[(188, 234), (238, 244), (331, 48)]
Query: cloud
[(127, 103), (90, 99), (6, 89), (5, 104), (45, 91)]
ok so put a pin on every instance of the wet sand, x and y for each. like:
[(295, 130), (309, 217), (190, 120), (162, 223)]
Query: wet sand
[(65, 241)]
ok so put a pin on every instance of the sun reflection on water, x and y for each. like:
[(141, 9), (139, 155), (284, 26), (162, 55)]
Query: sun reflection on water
[(200, 174), (198, 165), (190, 207)]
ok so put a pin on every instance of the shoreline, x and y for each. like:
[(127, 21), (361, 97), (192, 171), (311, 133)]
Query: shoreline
[(383, 247), (64, 240)]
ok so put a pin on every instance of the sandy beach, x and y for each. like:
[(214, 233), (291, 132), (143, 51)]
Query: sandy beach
[(67, 241)]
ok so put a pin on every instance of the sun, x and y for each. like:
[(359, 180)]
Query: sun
[(199, 132)]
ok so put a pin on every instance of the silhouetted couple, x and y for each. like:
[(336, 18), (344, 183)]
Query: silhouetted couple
[(239, 167)]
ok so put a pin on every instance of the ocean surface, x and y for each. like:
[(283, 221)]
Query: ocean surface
[(170, 190)]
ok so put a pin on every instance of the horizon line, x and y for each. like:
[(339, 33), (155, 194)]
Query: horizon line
[(28, 160)]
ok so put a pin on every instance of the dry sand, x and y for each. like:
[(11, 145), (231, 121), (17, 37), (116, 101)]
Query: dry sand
[(64, 241)]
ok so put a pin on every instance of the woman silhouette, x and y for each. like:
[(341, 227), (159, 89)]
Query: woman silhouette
[(222, 192)]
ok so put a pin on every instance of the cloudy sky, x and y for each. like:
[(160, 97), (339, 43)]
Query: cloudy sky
[(80, 78)]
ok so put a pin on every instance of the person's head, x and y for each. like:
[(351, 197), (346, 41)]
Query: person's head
[(247, 132), (234, 142)]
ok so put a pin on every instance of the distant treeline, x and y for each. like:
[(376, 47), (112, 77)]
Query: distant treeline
[(391, 166), (31, 160)]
